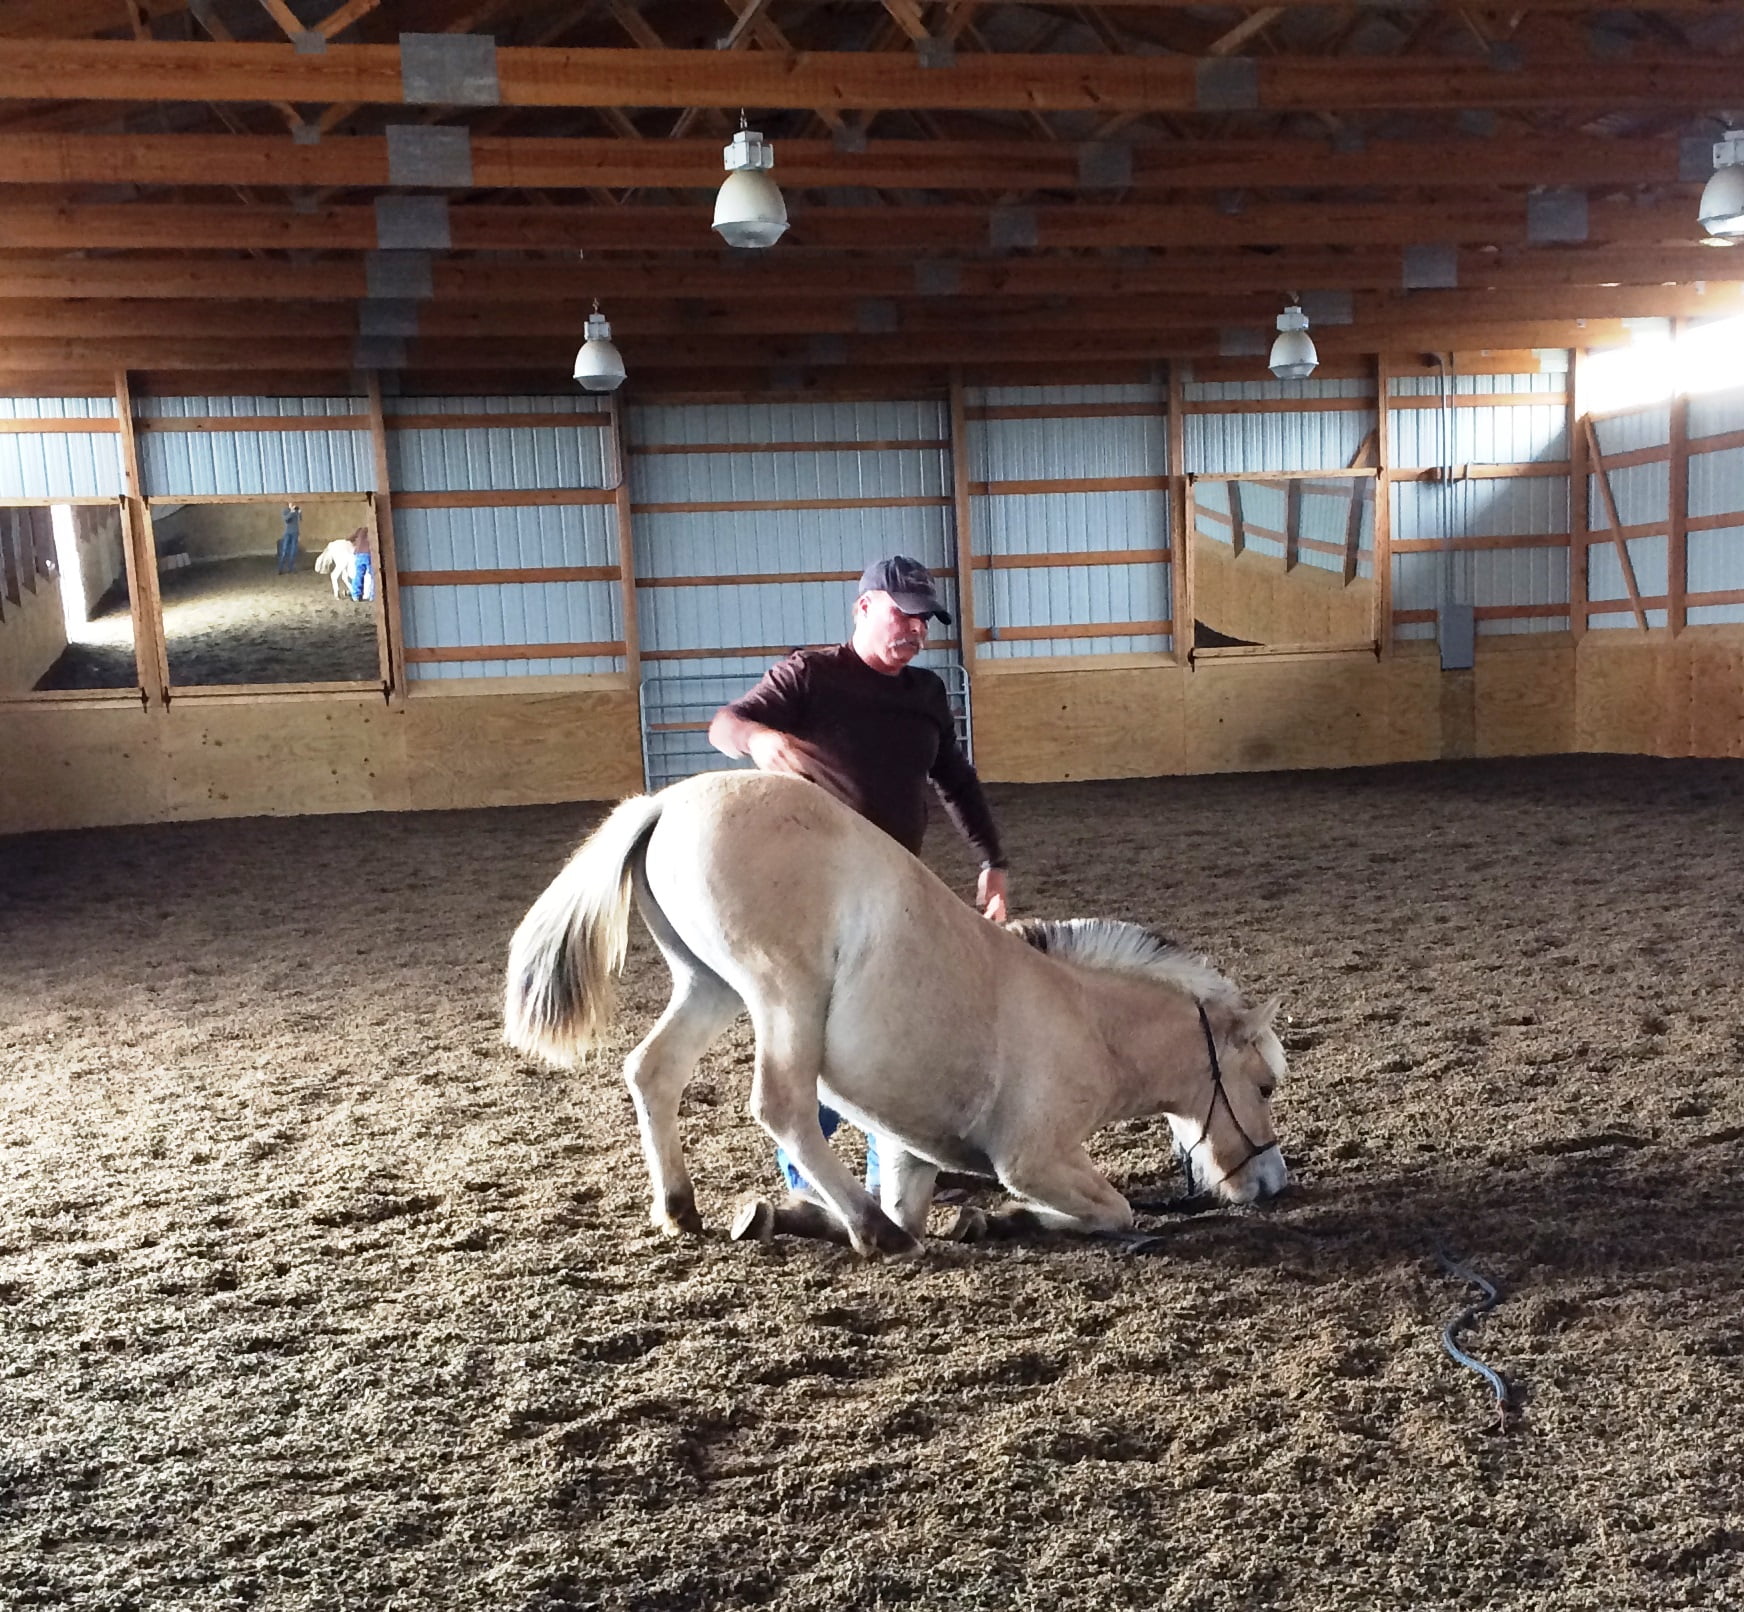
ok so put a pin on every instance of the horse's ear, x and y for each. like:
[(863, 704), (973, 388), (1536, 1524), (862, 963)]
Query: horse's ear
[(1255, 1021)]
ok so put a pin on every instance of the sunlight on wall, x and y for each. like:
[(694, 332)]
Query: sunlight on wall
[(66, 544), (1655, 367)]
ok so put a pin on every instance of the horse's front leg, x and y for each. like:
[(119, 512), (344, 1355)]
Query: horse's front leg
[(784, 1101), (905, 1184), (1060, 1191), (657, 1073)]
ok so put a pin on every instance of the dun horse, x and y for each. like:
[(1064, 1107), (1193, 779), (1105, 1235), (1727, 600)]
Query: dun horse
[(959, 1043)]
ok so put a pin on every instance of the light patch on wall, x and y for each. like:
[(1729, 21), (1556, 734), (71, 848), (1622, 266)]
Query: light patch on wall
[(1654, 366)]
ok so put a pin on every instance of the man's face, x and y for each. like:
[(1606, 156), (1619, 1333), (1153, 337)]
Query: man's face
[(883, 632)]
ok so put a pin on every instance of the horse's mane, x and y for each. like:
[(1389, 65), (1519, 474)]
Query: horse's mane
[(1114, 947)]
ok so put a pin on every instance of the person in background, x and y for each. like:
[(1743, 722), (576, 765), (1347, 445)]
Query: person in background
[(877, 732), (290, 542)]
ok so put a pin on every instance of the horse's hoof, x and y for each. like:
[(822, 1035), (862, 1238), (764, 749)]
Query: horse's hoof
[(678, 1216), (754, 1223), (892, 1241), (966, 1225)]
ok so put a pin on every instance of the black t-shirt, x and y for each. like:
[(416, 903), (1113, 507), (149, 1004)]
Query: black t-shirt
[(878, 741)]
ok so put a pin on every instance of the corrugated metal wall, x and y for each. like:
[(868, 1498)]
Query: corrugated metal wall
[(455, 542), (753, 523), (209, 461), (1513, 587), (1021, 436), (1716, 489), (1274, 425), (1643, 498), (56, 464)]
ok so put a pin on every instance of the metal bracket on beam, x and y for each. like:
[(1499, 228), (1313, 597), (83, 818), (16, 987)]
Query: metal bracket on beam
[(1242, 344), (1695, 161), (307, 134), (787, 378), (1329, 307), (1226, 84), (1430, 268), (849, 138), (938, 277), (1507, 57), (397, 276), (1013, 229), (387, 316), (876, 316), (309, 43), (935, 53), (449, 70), (1478, 122), (412, 224), (1556, 215), (827, 350), (1607, 42), (428, 154), (377, 352), (1104, 165)]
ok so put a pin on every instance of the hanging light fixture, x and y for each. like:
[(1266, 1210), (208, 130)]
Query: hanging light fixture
[(1722, 209), (749, 210), (599, 367), (1293, 356)]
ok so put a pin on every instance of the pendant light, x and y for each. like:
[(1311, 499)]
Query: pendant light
[(1722, 209), (599, 367), (749, 210), (1293, 356)]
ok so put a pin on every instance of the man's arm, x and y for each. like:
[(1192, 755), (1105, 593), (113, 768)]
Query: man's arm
[(959, 788), (770, 749)]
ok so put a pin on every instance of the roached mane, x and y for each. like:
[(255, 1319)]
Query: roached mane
[(1114, 947)]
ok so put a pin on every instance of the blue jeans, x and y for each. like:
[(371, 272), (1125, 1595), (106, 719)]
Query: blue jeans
[(288, 546), (829, 1119), (360, 587)]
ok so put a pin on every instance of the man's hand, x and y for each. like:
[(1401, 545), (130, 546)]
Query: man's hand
[(990, 894), (771, 750)]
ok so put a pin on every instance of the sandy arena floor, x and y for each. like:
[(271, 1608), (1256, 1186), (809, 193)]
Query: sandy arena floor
[(314, 1297), (234, 621)]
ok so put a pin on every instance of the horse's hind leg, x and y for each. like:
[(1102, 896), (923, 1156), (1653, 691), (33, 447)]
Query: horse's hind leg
[(784, 1101), (657, 1073)]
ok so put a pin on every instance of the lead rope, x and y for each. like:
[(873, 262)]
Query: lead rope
[(1470, 1316)]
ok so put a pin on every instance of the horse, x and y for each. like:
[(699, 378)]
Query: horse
[(337, 559), (960, 1044)]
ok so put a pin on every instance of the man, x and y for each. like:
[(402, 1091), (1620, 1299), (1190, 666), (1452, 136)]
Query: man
[(875, 731), (291, 539)]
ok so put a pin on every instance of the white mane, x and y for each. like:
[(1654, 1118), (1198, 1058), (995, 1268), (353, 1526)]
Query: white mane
[(1114, 947)]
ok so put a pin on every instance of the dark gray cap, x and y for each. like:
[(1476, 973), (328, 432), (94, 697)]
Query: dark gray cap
[(909, 583)]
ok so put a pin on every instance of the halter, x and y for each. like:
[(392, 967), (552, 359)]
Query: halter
[(1254, 1149)]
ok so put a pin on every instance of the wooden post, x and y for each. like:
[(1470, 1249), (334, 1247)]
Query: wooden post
[(139, 556), (1383, 537), (1610, 501), (1677, 514), (1238, 520), (960, 506), (626, 546), (1292, 524), (1180, 573), (387, 566), (1579, 491)]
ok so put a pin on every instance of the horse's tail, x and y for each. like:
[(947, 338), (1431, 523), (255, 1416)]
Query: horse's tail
[(567, 954), (326, 560)]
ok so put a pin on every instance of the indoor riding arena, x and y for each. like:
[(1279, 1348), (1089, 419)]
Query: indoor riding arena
[(1323, 430)]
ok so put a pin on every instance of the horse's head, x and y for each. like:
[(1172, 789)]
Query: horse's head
[(1228, 1145)]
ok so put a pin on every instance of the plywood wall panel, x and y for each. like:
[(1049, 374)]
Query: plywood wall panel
[(1628, 699), (1306, 711), (1047, 727), (1524, 697), (1714, 667), (522, 749), (280, 757), (66, 765)]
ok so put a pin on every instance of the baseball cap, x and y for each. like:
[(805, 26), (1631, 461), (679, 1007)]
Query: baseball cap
[(909, 583)]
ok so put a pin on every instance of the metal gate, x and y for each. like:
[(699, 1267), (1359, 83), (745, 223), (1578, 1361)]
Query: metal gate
[(676, 713)]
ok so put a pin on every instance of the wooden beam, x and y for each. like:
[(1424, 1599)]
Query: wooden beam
[(1383, 534), (40, 273), (1579, 491), (139, 556), (1237, 519), (390, 628), (1292, 522), (962, 520), (943, 227), (152, 70), (478, 652), (1179, 517), (550, 163), (625, 531), (1597, 460), (1677, 514)]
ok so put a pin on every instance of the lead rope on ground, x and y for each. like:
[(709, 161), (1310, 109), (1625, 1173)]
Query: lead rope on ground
[(1470, 1316)]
